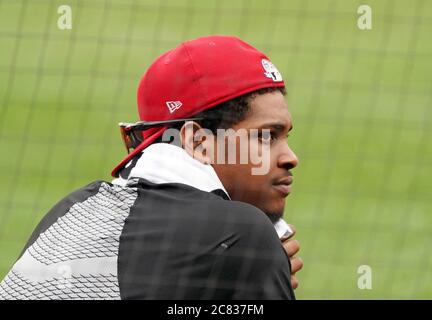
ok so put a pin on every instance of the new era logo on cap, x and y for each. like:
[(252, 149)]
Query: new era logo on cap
[(173, 105)]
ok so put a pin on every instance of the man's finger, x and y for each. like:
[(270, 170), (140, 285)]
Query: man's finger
[(296, 264), (294, 282), (291, 247)]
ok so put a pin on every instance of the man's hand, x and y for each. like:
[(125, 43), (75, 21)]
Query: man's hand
[(291, 247)]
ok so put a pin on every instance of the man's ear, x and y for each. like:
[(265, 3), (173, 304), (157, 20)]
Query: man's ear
[(197, 142)]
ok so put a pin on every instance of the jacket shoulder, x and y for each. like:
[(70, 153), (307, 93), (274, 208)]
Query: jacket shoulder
[(61, 208)]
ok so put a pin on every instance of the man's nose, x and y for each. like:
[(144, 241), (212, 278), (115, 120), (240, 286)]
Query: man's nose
[(288, 159)]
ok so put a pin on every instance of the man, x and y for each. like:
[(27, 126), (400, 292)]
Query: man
[(184, 218)]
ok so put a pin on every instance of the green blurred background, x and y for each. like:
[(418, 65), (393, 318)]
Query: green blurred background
[(361, 103)]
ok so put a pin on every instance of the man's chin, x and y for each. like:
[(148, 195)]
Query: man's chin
[(274, 211), (274, 216)]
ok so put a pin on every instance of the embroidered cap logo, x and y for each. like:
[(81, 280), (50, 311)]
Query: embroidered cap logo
[(173, 105), (271, 71)]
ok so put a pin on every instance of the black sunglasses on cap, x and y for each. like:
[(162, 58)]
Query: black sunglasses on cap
[(132, 132)]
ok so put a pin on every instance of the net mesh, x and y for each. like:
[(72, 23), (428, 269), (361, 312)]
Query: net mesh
[(360, 100)]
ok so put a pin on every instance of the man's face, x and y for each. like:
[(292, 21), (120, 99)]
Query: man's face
[(266, 191)]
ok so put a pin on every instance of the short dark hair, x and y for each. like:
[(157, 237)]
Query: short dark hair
[(231, 112), (228, 113)]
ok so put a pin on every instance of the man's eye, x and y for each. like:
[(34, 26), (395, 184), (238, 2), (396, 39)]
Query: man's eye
[(267, 136)]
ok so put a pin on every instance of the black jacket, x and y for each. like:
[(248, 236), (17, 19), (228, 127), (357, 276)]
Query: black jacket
[(151, 241)]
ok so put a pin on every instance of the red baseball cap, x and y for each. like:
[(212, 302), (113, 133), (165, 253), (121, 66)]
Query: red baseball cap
[(195, 76)]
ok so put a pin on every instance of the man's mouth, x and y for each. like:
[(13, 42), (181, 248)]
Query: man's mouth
[(283, 189), (283, 186)]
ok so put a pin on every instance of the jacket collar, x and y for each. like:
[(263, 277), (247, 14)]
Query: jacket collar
[(166, 163)]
